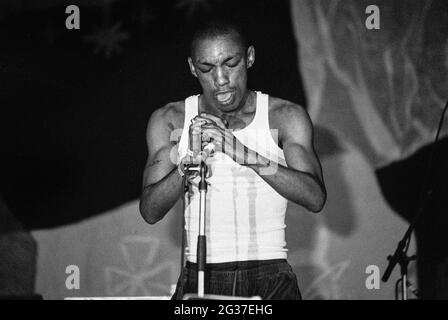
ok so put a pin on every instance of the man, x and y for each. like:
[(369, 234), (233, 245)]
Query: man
[(263, 157)]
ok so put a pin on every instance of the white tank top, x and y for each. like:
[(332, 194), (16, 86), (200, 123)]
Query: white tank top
[(245, 216)]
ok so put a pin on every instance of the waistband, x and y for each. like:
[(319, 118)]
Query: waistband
[(239, 265)]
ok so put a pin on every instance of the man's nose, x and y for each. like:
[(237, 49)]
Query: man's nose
[(221, 77)]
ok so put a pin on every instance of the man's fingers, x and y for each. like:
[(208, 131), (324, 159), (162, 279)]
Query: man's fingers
[(217, 120), (202, 120), (191, 177), (208, 132), (209, 116), (197, 123), (211, 133), (213, 127)]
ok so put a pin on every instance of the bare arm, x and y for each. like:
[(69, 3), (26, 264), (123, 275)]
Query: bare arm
[(162, 184), (302, 180)]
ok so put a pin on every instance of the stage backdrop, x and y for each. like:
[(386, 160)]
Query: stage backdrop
[(382, 90)]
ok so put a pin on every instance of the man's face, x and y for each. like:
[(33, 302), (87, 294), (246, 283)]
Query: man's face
[(220, 64)]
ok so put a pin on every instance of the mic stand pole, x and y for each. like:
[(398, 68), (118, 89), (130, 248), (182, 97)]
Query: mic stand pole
[(403, 260), (201, 250)]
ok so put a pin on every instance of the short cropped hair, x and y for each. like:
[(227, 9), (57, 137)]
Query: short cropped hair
[(218, 27)]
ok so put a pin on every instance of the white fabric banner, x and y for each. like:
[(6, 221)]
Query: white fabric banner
[(383, 90)]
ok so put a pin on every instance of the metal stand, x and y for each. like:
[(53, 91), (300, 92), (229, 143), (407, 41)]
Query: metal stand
[(403, 260), (201, 246), (201, 252)]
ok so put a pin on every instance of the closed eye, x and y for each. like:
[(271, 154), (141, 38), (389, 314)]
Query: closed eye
[(233, 63), (205, 70)]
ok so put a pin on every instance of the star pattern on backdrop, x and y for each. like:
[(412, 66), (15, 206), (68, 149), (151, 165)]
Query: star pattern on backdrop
[(326, 285), (193, 6), (107, 39), (144, 16), (143, 273)]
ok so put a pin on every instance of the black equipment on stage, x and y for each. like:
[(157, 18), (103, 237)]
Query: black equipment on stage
[(400, 256)]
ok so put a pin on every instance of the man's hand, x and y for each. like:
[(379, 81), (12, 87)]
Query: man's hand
[(189, 175), (196, 141), (215, 130)]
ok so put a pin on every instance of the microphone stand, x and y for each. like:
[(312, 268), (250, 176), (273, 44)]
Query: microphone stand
[(403, 260), (400, 256), (201, 250)]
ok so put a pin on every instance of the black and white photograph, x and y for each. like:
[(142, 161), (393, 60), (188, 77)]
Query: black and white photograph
[(241, 151)]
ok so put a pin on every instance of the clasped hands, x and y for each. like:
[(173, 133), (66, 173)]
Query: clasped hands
[(214, 130)]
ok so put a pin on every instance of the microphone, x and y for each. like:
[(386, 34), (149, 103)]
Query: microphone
[(197, 152), (195, 146)]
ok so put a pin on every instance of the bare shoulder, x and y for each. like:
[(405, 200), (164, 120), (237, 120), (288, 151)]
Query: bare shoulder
[(172, 112), (286, 115), (162, 124), (169, 117)]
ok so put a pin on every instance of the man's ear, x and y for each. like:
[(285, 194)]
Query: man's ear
[(250, 56), (192, 68)]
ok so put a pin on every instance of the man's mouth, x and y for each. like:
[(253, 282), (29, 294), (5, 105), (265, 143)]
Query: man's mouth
[(224, 97)]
